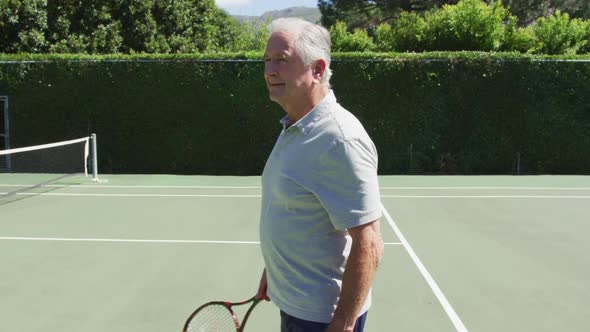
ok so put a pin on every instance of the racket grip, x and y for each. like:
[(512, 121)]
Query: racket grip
[(264, 295), (262, 288)]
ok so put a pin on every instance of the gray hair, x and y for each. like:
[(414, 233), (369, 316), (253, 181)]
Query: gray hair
[(312, 41)]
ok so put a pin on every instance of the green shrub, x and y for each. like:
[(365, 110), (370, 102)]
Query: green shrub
[(384, 41), (406, 34), (586, 48), (559, 34), (249, 37), (468, 25), (517, 39), (521, 40), (344, 41)]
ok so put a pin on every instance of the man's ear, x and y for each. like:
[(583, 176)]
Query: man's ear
[(318, 70)]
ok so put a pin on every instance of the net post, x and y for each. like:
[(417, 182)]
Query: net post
[(94, 159), (6, 133)]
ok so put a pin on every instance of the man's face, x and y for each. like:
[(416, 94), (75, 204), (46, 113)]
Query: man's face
[(287, 78)]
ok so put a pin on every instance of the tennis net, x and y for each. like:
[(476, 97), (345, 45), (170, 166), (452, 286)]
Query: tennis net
[(22, 169)]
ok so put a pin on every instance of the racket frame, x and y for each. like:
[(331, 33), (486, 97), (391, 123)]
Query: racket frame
[(228, 306)]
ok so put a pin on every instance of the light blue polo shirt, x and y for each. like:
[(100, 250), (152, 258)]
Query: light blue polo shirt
[(319, 180)]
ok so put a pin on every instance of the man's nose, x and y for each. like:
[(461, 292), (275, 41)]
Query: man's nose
[(270, 68)]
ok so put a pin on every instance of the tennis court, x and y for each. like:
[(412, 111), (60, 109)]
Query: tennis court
[(140, 253)]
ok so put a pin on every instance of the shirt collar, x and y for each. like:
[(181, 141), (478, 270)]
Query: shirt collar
[(310, 119)]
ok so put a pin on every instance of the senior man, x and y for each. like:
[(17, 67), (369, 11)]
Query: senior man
[(319, 224)]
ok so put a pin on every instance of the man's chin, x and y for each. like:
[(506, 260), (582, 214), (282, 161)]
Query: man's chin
[(276, 97)]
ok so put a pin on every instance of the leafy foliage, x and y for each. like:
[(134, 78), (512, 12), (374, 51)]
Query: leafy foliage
[(344, 41), (474, 25), (559, 34), (469, 25), (112, 26), (434, 113), (198, 26), (249, 37), (528, 11), (22, 26), (371, 13), (408, 33)]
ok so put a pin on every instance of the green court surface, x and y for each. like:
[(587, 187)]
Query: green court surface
[(140, 253)]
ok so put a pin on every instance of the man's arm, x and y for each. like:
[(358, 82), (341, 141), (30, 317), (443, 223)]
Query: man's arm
[(365, 255)]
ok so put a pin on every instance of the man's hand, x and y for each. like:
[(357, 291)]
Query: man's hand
[(338, 325)]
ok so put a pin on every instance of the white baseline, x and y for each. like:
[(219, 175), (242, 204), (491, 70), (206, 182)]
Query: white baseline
[(65, 239), (258, 196)]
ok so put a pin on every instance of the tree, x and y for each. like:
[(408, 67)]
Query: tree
[(250, 36), (371, 13), (528, 11), (85, 26), (151, 26), (22, 26)]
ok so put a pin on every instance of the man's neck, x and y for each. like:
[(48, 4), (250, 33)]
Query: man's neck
[(296, 111)]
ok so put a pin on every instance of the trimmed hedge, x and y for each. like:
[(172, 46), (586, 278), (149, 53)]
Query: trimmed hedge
[(473, 117), (435, 113), (150, 117)]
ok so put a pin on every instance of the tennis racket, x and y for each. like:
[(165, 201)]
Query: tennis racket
[(219, 316)]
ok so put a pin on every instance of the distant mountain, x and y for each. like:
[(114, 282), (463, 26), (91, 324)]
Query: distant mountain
[(311, 14)]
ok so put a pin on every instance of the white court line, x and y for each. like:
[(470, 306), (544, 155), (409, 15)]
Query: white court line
[(459, 326), (484, 196), (259, 196), (134, 186), (258, 187), (486, 188), (171, 187), (63, 239), (132, 195)]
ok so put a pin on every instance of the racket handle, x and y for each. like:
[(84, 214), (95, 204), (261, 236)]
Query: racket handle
[(262, 288), (264, 295)]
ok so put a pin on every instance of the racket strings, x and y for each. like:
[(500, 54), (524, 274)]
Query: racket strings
[(212, 318)]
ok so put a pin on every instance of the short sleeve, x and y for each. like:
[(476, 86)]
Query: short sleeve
[(346, 184)]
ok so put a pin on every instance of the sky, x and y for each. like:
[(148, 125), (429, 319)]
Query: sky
[(258, 7)]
